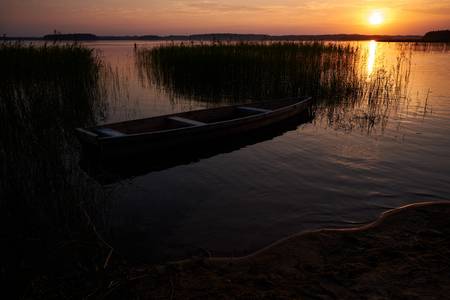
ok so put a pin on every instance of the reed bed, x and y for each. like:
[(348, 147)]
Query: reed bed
[(45, 198), (425, 47), (377, 95), (249, 70), (45, 92), (334, 73)]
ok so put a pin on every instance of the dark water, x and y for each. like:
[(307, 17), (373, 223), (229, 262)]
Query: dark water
[(337, 170)]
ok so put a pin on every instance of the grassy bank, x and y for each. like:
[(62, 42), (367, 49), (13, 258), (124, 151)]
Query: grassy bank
[(48, 206)]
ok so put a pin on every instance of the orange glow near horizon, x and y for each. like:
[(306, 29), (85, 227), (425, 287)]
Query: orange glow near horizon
[(119, 17)]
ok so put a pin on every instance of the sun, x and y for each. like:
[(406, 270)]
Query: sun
[(376, 17)]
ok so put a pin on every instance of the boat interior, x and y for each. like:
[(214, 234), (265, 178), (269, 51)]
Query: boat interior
[(189, 119)]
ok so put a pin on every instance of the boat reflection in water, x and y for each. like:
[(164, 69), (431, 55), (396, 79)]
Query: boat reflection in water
[(118, 159)]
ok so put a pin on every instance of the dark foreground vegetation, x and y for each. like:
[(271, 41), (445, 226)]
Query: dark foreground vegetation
[(49, 208)]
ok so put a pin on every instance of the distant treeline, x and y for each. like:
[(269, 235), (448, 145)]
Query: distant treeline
[(71, 37), (437, 36), (226, 37), (433, 36)]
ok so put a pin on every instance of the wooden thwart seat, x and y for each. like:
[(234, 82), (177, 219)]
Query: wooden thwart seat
[(186, 121), (254, 109)]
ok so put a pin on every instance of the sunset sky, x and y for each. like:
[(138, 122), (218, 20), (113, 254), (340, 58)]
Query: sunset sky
[(120, 17)]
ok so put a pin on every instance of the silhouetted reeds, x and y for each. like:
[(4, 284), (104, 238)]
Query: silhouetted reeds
[(247, 70), (425, 47), (378, 93), (334, 73), (45, 92)]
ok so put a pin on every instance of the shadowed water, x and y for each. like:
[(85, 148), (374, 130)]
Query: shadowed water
[(359, 156)]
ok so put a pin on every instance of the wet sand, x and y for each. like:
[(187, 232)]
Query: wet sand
[(405, 254)]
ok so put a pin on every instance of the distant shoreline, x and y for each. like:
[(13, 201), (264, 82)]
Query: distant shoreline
[(221, 37), (439, 36)]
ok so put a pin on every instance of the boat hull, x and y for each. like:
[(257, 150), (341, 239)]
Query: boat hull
[(138, 144)]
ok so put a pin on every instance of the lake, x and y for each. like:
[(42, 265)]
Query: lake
[(340, 169)]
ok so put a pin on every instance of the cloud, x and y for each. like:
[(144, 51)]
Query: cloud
[(438, 10), (216, 6), (210, 7)]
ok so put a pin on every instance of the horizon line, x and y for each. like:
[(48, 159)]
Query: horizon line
[(211, 33)]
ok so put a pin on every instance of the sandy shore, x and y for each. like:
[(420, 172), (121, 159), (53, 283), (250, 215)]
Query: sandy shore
[(405, 254)]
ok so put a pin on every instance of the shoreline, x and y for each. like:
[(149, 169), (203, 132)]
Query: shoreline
[(405, 253), (378, 221)]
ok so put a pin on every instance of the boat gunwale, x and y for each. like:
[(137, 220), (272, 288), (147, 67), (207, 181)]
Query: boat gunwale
[(155, 133)]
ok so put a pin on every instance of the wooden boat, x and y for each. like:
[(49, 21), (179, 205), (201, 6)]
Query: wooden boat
[(186, 128)]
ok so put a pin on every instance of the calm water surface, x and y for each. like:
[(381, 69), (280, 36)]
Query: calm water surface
[(335, 171)]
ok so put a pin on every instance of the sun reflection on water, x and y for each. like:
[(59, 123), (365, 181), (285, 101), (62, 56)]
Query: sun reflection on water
[(372, 56)]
